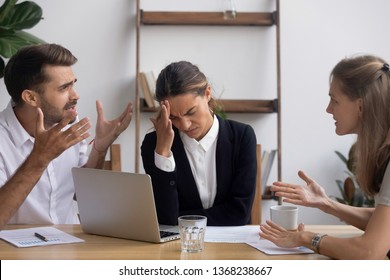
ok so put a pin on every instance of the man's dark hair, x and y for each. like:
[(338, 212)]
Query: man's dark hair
[(25, 69)]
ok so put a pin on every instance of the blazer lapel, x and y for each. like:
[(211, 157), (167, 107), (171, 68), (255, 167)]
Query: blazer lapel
[(223, 160)]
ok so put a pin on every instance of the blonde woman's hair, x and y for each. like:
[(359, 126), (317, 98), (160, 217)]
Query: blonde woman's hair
[(367, 77)]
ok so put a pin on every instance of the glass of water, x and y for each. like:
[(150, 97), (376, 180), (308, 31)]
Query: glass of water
[(192, 230)]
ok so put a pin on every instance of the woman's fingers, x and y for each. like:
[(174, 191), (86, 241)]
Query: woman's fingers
[(304, 177)]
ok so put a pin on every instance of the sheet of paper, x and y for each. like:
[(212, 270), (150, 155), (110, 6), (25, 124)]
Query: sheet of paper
[(270, 248), (26, 237), (239, 234), (250, 235)]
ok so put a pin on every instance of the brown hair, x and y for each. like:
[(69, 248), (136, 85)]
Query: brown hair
[(180, 78), (25, 69)]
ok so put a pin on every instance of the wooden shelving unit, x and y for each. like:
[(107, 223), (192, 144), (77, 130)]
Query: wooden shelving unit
[(214, 19)]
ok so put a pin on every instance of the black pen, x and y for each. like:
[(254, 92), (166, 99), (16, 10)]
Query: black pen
[(41, 237)]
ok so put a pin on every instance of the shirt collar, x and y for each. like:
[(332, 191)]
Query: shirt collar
[(206, 142), (17, 131)]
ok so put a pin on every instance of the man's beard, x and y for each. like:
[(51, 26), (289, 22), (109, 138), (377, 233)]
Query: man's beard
[(54, 115)]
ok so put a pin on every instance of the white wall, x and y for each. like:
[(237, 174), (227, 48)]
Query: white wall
[(239, 61)]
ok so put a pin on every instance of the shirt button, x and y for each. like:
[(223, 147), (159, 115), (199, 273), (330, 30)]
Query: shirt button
[(172, 183)]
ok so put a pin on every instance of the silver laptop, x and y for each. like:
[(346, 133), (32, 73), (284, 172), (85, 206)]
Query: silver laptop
[(119, 204)]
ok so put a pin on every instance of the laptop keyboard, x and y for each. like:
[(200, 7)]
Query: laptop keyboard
[(164, 234)]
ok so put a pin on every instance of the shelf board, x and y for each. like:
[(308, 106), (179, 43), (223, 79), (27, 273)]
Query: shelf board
[(235, 106), (248, 106), (206, 18)]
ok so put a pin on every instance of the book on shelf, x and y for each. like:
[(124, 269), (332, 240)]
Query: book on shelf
[(267, 160), (148, 88)]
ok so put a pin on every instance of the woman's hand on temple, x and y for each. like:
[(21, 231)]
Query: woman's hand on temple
[(164, 130)]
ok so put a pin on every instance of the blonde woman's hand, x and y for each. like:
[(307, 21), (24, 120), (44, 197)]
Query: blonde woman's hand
[(310, 195), (280, 236)]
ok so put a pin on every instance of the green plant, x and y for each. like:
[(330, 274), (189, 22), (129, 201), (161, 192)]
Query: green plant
[(219, 110), (349, 188), (13, 19)]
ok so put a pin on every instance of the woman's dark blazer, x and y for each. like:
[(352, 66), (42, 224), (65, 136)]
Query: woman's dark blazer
[(176, 193)]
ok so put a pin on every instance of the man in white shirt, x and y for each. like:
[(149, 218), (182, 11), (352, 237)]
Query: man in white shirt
[(41, 137)]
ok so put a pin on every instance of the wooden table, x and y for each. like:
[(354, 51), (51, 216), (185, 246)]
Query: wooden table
[(106, 248)]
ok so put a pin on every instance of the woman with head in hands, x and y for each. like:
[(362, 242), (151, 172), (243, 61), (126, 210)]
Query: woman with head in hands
[(199, 163)]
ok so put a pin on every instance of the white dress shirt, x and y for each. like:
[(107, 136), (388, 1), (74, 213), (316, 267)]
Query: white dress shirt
[(51, 200), (201, 156)]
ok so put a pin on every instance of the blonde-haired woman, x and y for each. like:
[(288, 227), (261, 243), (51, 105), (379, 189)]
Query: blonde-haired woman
[(360, 104)]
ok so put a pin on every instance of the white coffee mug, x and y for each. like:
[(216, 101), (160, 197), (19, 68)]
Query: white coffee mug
[(285, 216)]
